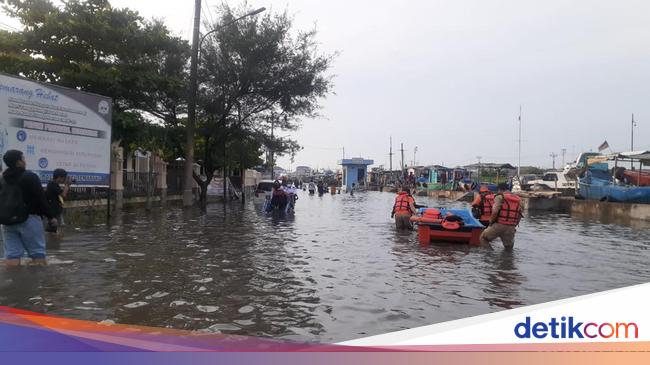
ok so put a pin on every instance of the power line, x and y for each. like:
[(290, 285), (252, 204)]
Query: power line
[(322, 148), (208, 11), (9, 27)]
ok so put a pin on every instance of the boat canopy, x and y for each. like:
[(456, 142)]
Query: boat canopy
[(636, 155), (632, 155), (597, 159)]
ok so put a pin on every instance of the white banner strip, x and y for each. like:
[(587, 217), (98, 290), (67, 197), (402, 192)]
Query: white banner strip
[(619, 315)]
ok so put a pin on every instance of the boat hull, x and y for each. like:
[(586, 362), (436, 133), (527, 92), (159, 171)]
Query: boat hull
[(433, 230), (428, 233), (615, 193)]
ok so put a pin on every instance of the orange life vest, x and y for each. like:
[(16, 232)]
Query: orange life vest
[(510, 212), (402, 204), (487, 201)]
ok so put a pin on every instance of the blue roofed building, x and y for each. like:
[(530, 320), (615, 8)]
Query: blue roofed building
[(355, 171)]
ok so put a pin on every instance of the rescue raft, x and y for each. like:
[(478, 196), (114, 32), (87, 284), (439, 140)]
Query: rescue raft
[(447, 225)]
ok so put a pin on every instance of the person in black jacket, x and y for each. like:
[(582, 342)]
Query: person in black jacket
[(56, 195), (29, 235)]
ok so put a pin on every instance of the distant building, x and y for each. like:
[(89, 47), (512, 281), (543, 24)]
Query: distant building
[(303, 170), (277, 171), (355, 171), (486, 170)]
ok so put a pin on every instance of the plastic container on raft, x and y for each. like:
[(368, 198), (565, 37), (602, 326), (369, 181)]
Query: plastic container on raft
[(447, 225)]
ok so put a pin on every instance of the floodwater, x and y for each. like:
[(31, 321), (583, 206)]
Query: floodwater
[(335, 271)]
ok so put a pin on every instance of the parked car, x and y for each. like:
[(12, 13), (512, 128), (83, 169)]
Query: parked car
[(264, 190), (553, 180)]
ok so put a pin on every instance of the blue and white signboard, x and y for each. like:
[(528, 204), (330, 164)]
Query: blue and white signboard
[(56, 127)]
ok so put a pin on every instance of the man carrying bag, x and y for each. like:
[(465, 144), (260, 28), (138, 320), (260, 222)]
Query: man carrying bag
[(22, 204)]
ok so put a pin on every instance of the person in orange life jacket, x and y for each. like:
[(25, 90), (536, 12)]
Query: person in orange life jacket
[(403, 209), (482, 205), (506, 213)]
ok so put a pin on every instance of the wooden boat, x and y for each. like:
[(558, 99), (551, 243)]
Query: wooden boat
[(447, 225), (637, 178)]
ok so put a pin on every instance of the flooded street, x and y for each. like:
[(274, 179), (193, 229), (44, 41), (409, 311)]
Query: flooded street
[(338, 270)]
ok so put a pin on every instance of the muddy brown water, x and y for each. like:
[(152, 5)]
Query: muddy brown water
[(335, 271)]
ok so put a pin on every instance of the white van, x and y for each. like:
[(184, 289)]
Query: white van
[(553, 180), (264, 190)]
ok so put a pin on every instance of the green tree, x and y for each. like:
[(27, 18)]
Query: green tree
[(526, 170), (256, 75), (91, 46)]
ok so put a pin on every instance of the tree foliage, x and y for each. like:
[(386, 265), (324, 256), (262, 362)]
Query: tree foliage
[(525, 170), (91, 46), (258, 77), (257, 74)]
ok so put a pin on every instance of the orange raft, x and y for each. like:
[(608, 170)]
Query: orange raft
[(448, 225)]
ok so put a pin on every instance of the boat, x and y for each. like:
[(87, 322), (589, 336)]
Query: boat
[(599, 184), (447, 225), (593, 188), (638, 178), (553, 180)]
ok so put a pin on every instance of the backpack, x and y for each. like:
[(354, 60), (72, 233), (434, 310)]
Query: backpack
[(13, 209)]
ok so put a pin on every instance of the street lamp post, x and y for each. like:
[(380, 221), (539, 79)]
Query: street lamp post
[(191, 99), (251, 13)]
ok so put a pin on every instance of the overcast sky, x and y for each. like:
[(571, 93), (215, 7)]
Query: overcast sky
[(449, 76)]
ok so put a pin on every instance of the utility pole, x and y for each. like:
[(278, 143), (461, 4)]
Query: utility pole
[(553, 156), (479, 168), (519, 163), (402, 161), (563, 155), (632, 143), (191, 109), (272, 157), (391, 153)]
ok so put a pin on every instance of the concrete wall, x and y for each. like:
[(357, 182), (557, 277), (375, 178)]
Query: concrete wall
[(607, 211), (350, 176), (542, 203), (603, 211), (100, 204), (249, 183)]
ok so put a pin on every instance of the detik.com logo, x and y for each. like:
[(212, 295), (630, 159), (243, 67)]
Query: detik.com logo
[(568, 327)]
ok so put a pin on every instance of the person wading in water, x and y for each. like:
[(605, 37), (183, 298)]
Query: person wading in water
[(506, 214), (403, 209)]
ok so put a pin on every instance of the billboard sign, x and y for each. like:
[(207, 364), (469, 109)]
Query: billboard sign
[(56, 127)]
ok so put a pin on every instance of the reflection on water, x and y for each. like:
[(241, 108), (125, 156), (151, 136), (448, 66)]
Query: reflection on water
[(337, 270)]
